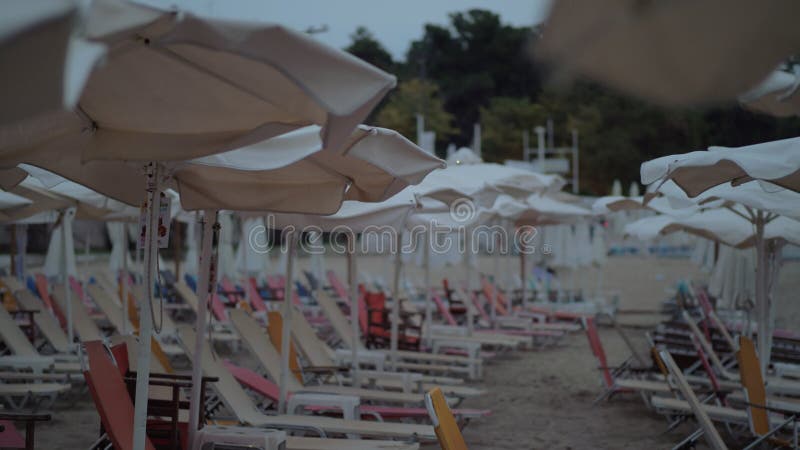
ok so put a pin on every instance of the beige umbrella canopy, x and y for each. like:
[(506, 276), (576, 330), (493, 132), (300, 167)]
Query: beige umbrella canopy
[(34, 47), (179, 86), (672, 52), (290, 173), (776, 95)]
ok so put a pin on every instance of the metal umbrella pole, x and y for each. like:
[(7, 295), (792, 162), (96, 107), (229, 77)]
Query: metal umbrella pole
[(124, 281), (351, 275), (426, 261), (65, 277), (145, 316), (286, 315), (207, 282), (762, 300), (395, 319)]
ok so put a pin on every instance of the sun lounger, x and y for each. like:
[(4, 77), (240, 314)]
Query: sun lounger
[(762, 425), (25, 354), (318, 354), (422, 360), (271, 391), (48, 325), (240, 404), (447, 431), (82, 323), (265, 351)]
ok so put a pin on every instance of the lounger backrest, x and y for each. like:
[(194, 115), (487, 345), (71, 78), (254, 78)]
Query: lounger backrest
[(157, 364), (255, 298), (218, 308), (310, 345), (337, 285), (444, 424), (340, 324), (443, 310), (597, 349), (229, 390), (254, 381), (710, 431), (187, 294), (110, 396), (275, 331), (46, 322), (489, 292), (13, 336), (753, 383), (82, 323), (712, 355), (260, 346), (44, 294), (108, 305)]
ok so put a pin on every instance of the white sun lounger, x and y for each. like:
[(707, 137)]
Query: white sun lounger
[(239, 403)]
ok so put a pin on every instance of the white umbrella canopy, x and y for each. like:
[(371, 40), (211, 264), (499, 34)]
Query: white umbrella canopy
[(732, 279), (719, 224), (777, 162), (775, 95), (660, 204), (251, 254), (10, 201), (175, 86), (44, 64), (616, 188), (543, 209), (374, 164), (674, 53)]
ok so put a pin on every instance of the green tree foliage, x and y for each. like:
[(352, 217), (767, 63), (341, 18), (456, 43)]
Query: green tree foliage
[(412, 97), (365, 46), (504, 121), (476, 68)]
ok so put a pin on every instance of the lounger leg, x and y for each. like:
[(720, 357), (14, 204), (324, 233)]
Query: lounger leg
[(29, 439), (689, 441)]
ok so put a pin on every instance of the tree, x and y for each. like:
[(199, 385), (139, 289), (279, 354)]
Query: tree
[(411, 98), (503, 123), (365, 46), (476, 58)]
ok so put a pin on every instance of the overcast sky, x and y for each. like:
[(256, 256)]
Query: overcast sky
[(394, 23)]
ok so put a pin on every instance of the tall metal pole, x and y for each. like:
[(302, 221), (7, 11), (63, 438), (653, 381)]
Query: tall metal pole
[(575, 163), (762, 299), (65, 277), (395, 319), (540, 132), (123, 277), (352, 280), (207, 283), (286, 314), (145, 315), (427, 287)]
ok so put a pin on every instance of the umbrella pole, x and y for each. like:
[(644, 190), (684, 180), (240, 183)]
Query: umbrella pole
[(286, 314), (427, 287), (468, 293), (762, 301), (523, 276), (124, 280), (207, 281), (351, 275), (398, 264), (13, 248), (65, 275), (496, 291), (145, 315)]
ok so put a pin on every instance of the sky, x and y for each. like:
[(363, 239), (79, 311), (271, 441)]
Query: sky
[(394, 23)]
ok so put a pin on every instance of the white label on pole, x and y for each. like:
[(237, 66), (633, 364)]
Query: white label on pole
[(164, 222)]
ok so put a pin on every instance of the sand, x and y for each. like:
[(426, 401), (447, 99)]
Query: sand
[(540, 399)]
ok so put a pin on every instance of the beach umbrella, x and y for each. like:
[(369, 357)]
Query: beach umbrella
[(673, 53), (353, 218), (732, 279), (775, 95), (44, 63), (763, 178), (616, 188), (776, 162), (176, 86)]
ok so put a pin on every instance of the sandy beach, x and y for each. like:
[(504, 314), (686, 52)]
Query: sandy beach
[(540, 399)]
